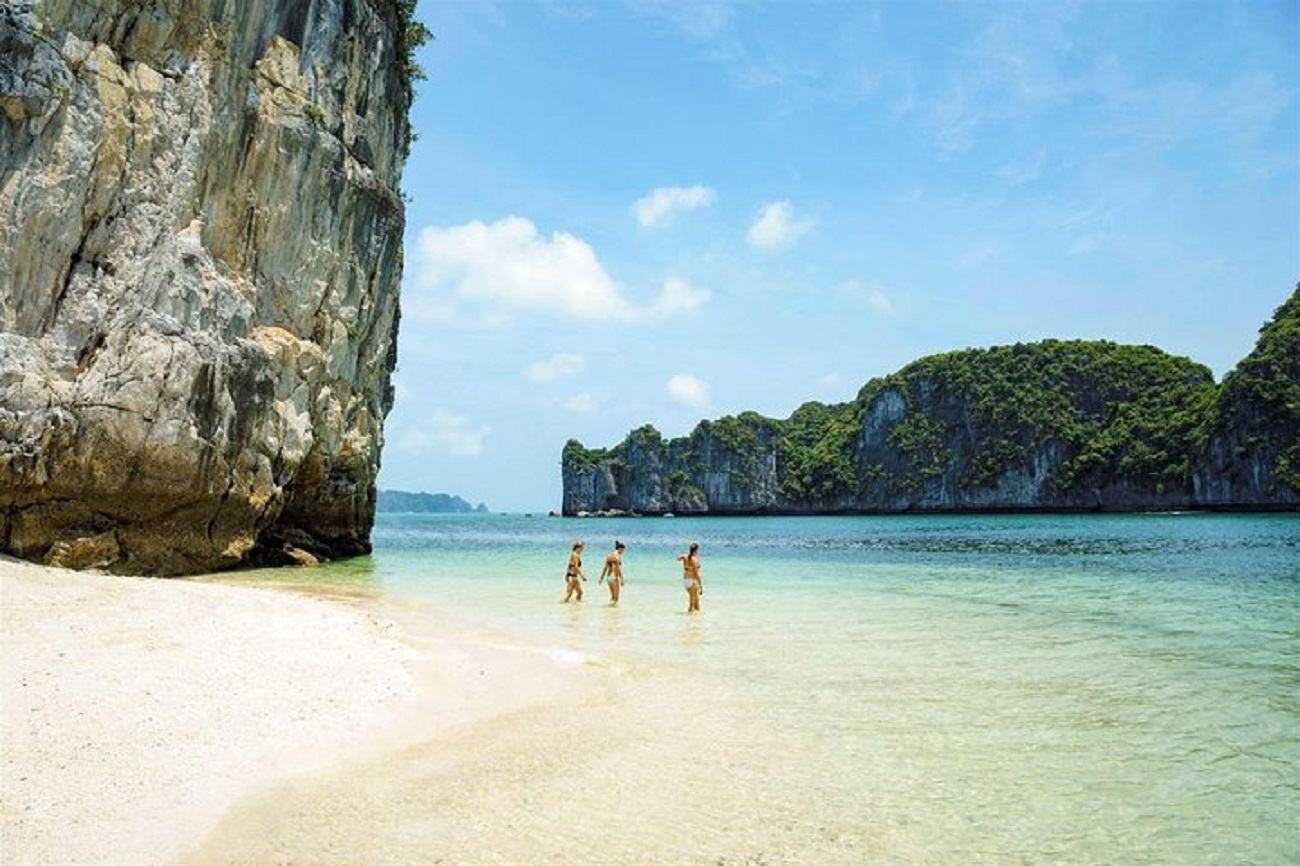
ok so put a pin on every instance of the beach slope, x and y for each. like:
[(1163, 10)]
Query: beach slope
[(134, 713)]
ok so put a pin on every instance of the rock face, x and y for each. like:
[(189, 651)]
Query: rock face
[(725, 466), (200, 249), (1077, 426), (1252, 456)]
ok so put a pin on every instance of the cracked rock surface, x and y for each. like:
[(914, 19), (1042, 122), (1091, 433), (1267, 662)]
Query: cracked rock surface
[(200, 251)]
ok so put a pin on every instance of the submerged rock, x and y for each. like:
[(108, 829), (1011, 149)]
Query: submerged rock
[(200, 252)]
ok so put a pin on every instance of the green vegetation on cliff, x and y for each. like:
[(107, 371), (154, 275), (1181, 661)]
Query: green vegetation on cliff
[(1069, 424), (742, 438), (1104, 413), (580, 458), (1260, 399), (815, 451), (1108, 410), (411, 35)]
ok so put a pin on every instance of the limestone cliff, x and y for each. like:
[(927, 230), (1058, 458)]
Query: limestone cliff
[(1252, 453), (1059, 425), (200, 250)]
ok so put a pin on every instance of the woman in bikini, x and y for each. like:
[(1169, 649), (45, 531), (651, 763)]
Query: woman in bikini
[(614, 571), (691, 577), (573, 576)]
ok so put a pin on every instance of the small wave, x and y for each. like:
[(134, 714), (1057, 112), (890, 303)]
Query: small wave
[(568, 656)]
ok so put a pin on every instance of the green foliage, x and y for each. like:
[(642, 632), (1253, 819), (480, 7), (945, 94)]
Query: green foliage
[(680, 488), (1266, 384), (922, 439), (579, 458), (1116, 410), (815, 451), (645, 438), (60, 88), (411, 36), (743, 437), (1091, 419), (740, 435)]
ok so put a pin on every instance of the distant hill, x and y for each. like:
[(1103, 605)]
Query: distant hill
[(402, 501), (1066, 425)]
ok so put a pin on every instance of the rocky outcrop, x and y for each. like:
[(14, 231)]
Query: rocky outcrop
[(200, 232), (1252, 454), (727, 466), (1057, 425)]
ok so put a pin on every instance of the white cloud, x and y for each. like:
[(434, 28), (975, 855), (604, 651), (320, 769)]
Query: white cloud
[(677, 296), (664, 203), (555, 367), (445, 431), (873, 298), (581, 403), (689, 390), (504, 268), (777, 226), (880, 302)]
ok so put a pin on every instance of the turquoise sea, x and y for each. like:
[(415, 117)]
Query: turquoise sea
[(902, 689)]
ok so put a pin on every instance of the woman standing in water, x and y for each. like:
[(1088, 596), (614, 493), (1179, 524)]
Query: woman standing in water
[(614, 571), (573, 575), (691, 577)]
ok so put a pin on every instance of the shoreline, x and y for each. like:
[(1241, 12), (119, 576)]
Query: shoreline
[(137, 713)]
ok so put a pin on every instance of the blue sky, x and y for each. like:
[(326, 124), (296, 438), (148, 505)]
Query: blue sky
[(657, 212)]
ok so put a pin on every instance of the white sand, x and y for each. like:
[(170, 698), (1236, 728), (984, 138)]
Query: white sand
[(136, 713)]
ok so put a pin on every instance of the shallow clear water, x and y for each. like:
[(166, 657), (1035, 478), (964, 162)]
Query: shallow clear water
[(889, 689)]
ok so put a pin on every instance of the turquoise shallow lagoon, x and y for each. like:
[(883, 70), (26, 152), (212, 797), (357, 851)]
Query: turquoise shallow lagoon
[(1002, 689)]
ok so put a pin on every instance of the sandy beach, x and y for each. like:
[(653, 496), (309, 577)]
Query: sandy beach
[(135, 714)]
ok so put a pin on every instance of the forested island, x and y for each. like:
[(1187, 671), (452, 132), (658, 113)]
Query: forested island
[(405, 502), (1068, 425)]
